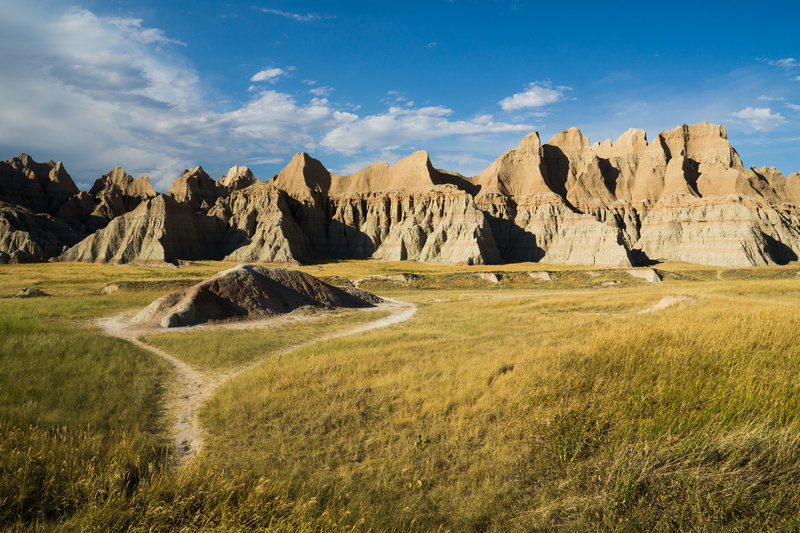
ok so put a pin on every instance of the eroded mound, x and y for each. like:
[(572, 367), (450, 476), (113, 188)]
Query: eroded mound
[(248, 291)]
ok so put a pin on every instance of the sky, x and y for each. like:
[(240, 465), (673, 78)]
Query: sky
[(160, 86)]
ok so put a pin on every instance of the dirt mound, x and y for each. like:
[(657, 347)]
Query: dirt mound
[(28, 292), (247, 291)]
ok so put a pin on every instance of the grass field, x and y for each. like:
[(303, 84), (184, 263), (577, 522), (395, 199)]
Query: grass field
[(223, 348), (519, 405)]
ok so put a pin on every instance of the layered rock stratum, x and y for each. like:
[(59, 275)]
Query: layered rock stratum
[(684, 196)]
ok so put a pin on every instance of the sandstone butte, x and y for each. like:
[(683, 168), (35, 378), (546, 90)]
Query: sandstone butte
[(684, 196)]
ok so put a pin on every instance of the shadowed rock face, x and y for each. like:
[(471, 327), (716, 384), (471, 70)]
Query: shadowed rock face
[(161, 230), (195, 188), (42, 187), (684, 196), (248, 291)]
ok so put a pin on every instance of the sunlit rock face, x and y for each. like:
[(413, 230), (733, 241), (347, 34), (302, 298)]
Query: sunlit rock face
[(682, 196)]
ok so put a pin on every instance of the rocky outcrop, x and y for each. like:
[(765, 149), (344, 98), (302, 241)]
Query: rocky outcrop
[(161, 230), (117, 193), (248, 292), (440, 224), (195, 188), (41, 187), (685, 196), (27, 236), (237, 178), (260, 227)]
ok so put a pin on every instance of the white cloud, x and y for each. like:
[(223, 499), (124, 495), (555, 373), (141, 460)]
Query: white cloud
[(299, 17), (537, 94), (402, 125), (133, 27), (793, 107), (766, 98), (787, 62), (321, 91), (98, 92), (268, 74), (760, 118), (431, 45)]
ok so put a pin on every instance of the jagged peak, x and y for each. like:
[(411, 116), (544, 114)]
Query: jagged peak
[(419, 159), (570, 138), (303, 174), (634, 137), (531, 141), (701, 129), (238, 177), (195, 172)]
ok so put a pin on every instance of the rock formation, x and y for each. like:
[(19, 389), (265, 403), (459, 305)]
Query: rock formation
[(195, 188), (260, 227), (117, 193), (684, 196), (41, 187), (161, 230), (248, 291), (237, 178)]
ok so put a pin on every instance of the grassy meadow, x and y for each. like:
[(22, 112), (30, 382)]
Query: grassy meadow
[(523, 405)]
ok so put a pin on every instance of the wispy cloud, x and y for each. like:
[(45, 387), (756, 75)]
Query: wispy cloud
[(786, 62), (793, 107), (299, 17), (766, 98), (77, 88), (760, 118), (321, 91), (537, 94), (431, 45), (402, 125), (269, 74)]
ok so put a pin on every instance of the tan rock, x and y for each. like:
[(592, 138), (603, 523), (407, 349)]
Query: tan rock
[(260, 227), (437, 225), (411, 174), (27, 236), (647, 274), (237, 178), (195, 188), (160, 230), (29, 292)]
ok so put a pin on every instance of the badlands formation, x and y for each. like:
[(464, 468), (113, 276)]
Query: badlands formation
[(684, 196)]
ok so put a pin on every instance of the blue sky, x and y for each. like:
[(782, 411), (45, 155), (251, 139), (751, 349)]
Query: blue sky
[(160, 86)]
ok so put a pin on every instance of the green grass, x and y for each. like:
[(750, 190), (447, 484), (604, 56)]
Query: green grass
[(226, 348), (521, 406), (78, 419)]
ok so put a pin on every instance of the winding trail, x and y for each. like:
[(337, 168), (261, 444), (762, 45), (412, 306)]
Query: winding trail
[(193, 387)]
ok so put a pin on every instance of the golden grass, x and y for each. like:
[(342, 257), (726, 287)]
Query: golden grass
[(524, 405), (226, 347)]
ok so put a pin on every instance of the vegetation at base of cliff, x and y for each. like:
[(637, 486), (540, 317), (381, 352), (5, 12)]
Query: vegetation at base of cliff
[(495, 408)]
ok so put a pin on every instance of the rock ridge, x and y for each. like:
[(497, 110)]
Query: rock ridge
[(684, 195)]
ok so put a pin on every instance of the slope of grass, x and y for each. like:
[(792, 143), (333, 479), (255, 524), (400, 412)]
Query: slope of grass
[(222, 348)]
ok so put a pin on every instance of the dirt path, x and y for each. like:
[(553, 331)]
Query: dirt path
[(193, 387), (667, 301)]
